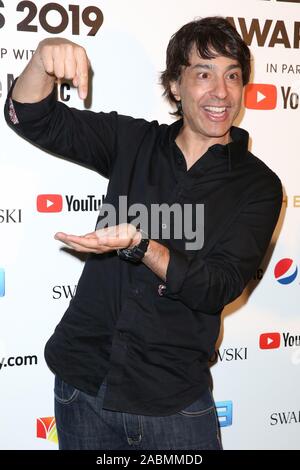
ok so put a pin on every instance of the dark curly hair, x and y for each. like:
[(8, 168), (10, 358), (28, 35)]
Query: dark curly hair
[(212, 36)]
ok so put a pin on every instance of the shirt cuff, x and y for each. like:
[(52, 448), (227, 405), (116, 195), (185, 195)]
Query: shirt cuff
[(26, 112), (176, 272)]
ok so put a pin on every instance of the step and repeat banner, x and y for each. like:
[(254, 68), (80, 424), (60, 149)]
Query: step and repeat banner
[(256, 366)]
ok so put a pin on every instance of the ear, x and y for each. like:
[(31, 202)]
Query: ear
[(174, 87)]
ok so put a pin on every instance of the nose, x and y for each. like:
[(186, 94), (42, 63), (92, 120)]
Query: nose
[(219, 89)]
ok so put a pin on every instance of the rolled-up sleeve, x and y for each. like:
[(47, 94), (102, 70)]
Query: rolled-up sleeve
[(208, 283), (21, 113)]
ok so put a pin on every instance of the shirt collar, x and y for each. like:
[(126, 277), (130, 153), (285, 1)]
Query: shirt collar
[(235, 151)]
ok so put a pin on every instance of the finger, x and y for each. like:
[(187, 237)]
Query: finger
[(83, 249), (65, 236), (61, 236), (82, 72), (90, 235), (79, 248), (70, 64), (58, 59), (47, 59), (91, 243), (114, 242), (72, 242)]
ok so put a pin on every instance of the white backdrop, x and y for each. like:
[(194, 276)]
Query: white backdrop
[(256, 379)]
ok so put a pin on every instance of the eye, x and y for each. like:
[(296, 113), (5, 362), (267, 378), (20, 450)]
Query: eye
[(203, 75), (234, 76)]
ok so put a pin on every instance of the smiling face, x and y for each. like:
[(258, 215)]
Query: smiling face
[(210, 91)]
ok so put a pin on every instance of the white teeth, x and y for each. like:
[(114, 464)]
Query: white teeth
[(214, 109)]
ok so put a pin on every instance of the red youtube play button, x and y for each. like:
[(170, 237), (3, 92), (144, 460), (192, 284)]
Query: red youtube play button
[(260, 96), (49, 203), (269, 340)]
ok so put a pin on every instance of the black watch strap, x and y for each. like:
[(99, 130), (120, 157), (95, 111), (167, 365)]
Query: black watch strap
[(137, 252)]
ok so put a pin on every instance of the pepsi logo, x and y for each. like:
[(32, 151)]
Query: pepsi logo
[(285, 271)]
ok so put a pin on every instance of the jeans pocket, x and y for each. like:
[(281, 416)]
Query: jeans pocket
[(63, 392), (204, 404)]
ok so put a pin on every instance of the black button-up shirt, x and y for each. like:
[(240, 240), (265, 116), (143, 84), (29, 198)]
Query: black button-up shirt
[(152, 339)]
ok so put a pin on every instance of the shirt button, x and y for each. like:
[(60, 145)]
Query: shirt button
[(136, 290), (161, 289)]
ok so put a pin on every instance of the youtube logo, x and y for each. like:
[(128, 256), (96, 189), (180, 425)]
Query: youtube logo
[(260, 96), (55, 202), (49, 203), (269, 340)]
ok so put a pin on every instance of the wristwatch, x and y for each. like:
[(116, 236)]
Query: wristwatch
[(137, 252)]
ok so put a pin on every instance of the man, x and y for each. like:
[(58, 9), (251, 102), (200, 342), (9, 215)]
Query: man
[(131, 353)]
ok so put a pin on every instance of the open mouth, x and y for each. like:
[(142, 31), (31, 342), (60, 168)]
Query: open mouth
[(216, 113)]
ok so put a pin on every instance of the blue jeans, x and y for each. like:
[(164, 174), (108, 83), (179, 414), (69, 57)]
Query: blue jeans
[(82, 423)]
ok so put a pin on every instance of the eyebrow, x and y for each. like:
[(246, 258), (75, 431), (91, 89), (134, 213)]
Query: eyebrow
[(212, 66)]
